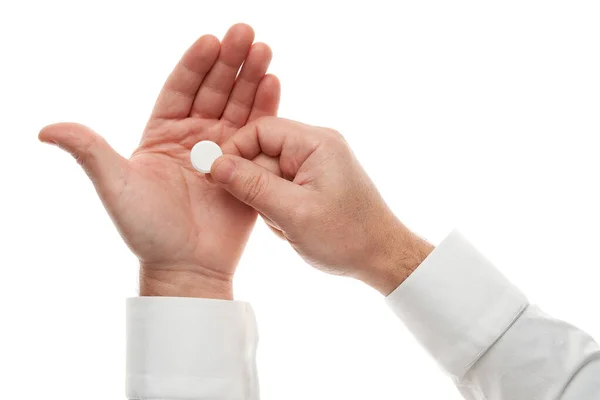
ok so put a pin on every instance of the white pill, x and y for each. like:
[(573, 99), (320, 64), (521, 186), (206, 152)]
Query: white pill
[(203, 155)]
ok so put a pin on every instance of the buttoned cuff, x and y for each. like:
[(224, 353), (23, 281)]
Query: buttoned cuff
[(186, 348), (457, 304)]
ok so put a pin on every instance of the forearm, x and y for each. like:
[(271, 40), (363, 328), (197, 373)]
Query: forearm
[(398, 253)]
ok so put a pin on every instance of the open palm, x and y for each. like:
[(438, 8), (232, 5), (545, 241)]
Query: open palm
[(183, 228)]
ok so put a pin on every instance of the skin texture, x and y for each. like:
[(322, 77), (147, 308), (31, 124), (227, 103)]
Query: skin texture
[(187, 233), (319, 198)]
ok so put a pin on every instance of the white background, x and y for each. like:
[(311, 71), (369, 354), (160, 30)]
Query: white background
[(477, 115)]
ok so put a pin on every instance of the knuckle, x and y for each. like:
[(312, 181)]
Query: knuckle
[(262, 124), (335, 134), (255, 187), (265, 120), (86, 153), (334, 138)]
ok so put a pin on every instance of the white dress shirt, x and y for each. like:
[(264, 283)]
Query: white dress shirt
[(478, 326)]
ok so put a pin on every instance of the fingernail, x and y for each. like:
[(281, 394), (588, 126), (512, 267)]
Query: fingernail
[(223, 170)]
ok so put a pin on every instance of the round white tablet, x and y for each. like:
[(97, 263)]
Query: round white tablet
[(203, 155)]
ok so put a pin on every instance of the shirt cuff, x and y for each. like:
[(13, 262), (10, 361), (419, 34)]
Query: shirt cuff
[(187, 348), (457, 304)]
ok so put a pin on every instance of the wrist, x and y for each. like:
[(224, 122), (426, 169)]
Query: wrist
[(184, 283), (399, 254)]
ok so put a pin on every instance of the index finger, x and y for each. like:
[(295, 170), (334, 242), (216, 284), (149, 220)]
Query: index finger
[(292, 142)]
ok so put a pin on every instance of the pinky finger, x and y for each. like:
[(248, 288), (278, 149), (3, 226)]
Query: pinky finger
[(266, 100)]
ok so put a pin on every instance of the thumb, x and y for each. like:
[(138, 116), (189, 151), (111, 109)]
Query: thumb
[(256, 186), (102, 163)]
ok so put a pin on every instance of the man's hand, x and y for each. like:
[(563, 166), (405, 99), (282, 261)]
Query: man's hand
[(321, 200), (187, 233)]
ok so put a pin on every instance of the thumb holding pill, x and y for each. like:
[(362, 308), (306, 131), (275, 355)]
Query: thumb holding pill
[(256, 186), (321, 200)]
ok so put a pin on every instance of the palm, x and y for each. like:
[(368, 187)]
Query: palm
[(169, 214), (184, 219)]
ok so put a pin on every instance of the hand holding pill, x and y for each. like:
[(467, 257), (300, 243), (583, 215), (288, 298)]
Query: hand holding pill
[(320, 199)]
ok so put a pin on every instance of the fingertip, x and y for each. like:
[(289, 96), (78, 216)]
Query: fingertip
[(263, 50), (241, 29), (50, 133), (238, 37), (208, 39), (203, 52), (236, 44), (272, 83), (208, 43), (43, 134)]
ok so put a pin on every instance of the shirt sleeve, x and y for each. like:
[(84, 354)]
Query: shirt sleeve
[(190, 349), (487, 337)]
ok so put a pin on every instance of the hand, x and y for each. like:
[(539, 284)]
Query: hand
[(321, 200), (187, 233)]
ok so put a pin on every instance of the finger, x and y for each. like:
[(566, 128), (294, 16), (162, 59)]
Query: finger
[(292, 142), (215, 89), (244, 90), (178, 94), (266, 101), (256, 186), (104, 166), (269, 163)]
